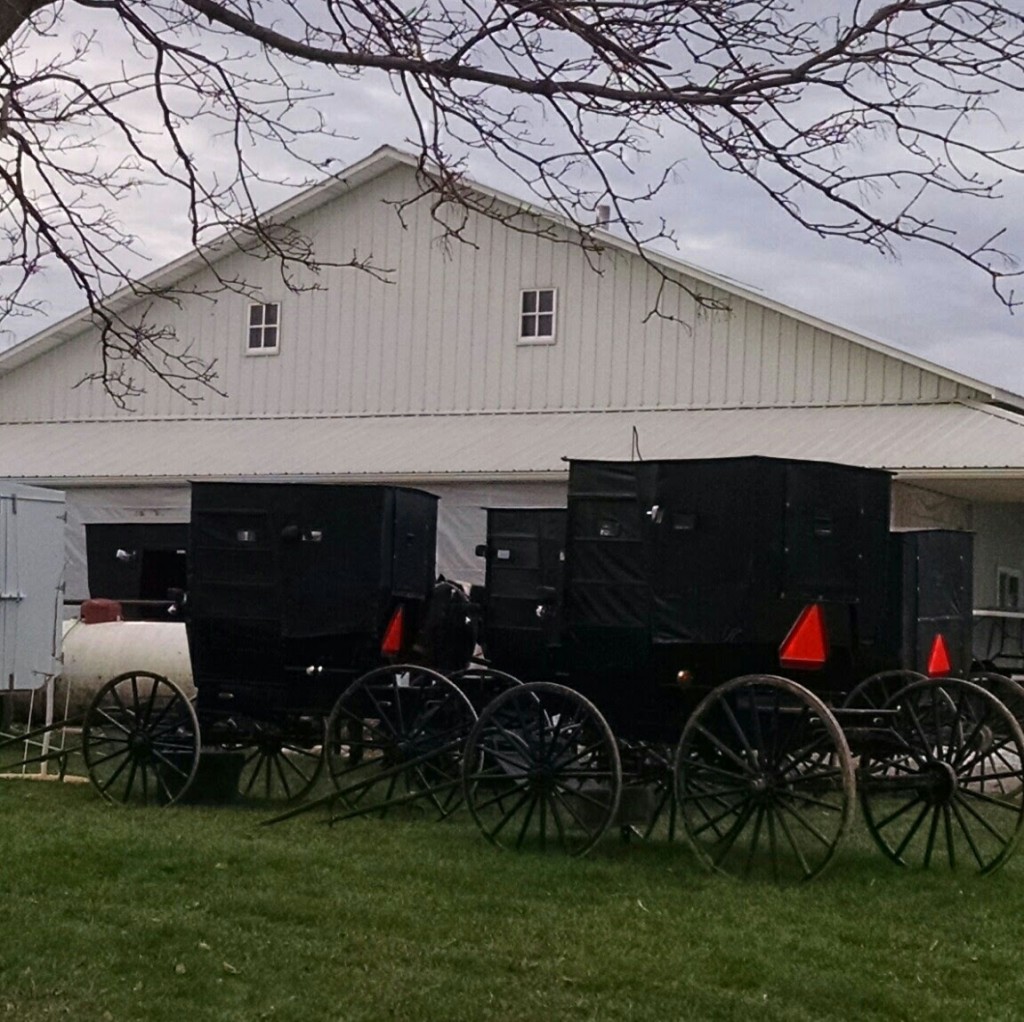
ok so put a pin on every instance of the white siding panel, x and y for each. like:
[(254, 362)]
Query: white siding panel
[(576, 322), (705, 326), (821, 366), (769, 359), (840, 365), (788, 361), (635, 332), (442, 336), (718, 356), (654, 347), (670, 339), (621, 351), (803, 392)]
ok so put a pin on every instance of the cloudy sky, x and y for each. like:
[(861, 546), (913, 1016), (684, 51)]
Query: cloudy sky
[(927, 302)]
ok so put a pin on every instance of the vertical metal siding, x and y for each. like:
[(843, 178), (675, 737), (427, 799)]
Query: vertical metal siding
[(443, 336)]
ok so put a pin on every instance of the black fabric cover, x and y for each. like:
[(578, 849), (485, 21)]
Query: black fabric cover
[(933, 591), (154, 561), (524, 584), (318, 560), (284, 576), (697, 569), (704, 551)]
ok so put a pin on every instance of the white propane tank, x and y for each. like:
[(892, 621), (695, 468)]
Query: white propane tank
[(95, 653)]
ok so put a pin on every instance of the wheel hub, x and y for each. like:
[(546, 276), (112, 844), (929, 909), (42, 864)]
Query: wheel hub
[(942, 782), (139, 744)]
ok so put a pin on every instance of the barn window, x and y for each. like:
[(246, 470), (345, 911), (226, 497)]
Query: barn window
[(1009, 589), (264, 329), (537, 316)]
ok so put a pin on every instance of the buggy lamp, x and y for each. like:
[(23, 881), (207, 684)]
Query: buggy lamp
[(939, 664), (805, 648), (684, 678), (314, 669)]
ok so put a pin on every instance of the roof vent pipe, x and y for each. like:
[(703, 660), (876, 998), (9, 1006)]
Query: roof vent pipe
[(604, 215)]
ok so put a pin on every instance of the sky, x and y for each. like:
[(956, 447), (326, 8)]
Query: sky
[(926, 302)]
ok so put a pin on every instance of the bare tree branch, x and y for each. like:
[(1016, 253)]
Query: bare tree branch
[(861, 125)]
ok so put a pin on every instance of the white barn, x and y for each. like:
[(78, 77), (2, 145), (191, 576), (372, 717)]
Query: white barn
[(448, 378)]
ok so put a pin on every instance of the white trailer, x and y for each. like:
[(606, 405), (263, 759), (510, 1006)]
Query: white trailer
[(32, 523)]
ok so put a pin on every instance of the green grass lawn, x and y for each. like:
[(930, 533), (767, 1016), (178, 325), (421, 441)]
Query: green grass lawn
[(198, 914)]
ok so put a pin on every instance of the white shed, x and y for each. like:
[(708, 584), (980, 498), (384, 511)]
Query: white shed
[(31, 585)]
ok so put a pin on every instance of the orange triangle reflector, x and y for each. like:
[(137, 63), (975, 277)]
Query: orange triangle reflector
[(939, 663), (392, 644), (806, 646)]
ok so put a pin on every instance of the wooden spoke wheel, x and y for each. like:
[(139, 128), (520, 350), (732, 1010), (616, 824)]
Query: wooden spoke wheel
[(542, 770), (948, 790), (140, 740), (764, 780), (1009, 692), (482, 684), (278, 768), (648, 807), (395, 738), (875, 691)]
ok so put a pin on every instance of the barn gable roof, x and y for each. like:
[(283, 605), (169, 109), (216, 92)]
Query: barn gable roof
[(387, 158)]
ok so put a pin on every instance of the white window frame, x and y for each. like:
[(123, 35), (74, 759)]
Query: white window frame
[(535, 315), (1016, 575), (261, 327)]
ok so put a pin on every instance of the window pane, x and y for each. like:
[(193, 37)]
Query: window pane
[(529, 326), (255, 336), (270, 314), (545, 325), (547, 301), (255, 315), (529, 301), (270, 337)]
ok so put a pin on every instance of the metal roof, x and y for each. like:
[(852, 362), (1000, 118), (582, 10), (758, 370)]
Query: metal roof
[(930, 441)]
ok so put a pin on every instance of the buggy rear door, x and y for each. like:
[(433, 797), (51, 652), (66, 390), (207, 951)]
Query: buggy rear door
[(709, 558)]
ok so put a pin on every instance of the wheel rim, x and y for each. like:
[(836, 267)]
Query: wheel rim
[(140, 740), (277, 770), (874, 692), (542, 770), (764, 780), (648, 768), (480, 685), (1009, 692), (948, 789), (395, 738)]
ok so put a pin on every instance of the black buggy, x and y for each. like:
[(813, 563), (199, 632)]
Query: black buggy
[(304, 602), (740, 648)]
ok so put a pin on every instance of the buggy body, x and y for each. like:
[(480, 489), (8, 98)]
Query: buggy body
[(293, 589)]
